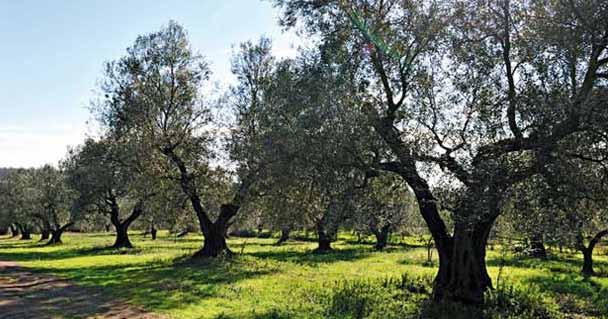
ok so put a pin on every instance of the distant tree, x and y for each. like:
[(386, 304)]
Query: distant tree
[(109, 179), (18, 202), (306, 136), (381, 207), (154, 94), (54, 200)]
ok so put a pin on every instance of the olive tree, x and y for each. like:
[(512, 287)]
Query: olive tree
[(109, 180), (53, 199), (483, 91), (154, 94)]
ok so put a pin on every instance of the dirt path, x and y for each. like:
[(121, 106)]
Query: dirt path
[(24, 294)]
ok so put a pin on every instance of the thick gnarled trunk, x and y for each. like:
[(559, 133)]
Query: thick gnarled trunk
[(122, 227), (588, 262), (122, 237), (463, 276), (57, 232), (214, 244), (325, 236), (214, 233), (153, 232)]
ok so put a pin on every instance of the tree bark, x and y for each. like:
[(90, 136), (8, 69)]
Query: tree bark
[(122, 237), (284, 235), (122, 227), (588, 252), (588, 262), (381, 237), (324, 239), (57, 232), (214, 244), (537, 246), (153, 232), (45, 228), (45, 234), (463, 276), (14, 231), (25, 232)]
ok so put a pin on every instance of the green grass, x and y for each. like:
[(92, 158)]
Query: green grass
[(267, 281)]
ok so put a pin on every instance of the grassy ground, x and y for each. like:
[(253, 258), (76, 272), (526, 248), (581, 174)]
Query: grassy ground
[(266, 281)]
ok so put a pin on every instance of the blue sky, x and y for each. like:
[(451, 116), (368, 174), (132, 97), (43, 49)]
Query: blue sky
[(52, 53)]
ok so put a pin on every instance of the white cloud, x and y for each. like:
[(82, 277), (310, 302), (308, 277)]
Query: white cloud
[(36, 145)]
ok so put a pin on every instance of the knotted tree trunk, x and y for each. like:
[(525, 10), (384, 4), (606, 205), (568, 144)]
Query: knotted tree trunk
[(463, 275), (214, 233), (327, 230), (122, 226), (324, 241), (45, 227)]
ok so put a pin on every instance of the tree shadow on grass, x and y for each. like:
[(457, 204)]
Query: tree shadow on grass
[(24, 294), (163, 285), (566, 264), (311, 258), (20, 256), (574, 293)]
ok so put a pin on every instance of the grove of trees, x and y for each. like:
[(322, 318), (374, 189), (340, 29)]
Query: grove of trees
[(460, 117)]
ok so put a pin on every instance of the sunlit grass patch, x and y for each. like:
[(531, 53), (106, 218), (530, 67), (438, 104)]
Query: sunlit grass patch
[(289, 281)]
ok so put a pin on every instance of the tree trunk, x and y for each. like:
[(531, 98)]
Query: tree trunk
[(45, 234), (122, 227), (324, 239), (284, 235), (153, 232), (122, 237), (588, 252), (214, 244), (57, 232), (588, 262), (463, 276), (25, 232), (45, 228), (381, 237), (14, 231), (56, 237), (537, 246)]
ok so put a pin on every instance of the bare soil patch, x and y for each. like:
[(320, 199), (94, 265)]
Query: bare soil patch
[(24, 294)]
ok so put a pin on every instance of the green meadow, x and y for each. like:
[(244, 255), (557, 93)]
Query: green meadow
[(263, 280)]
